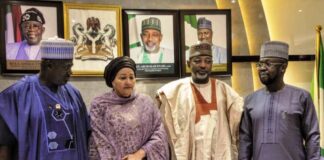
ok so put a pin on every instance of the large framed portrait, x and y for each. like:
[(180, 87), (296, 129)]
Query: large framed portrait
[(213, 27), (96, 32), (24, 25), (151, 40)]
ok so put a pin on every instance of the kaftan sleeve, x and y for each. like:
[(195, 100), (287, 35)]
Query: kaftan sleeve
[(11, 99), (178, 129), (168, 122), (234, 113), (310, 129), (156, 148), (245, 138)]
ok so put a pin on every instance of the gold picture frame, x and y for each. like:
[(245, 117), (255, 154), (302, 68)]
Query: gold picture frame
[(96, 31)]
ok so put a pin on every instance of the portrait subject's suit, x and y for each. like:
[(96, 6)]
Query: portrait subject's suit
[(22, 51)]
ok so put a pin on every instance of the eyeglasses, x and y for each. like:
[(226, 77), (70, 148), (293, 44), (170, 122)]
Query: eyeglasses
[(268, 64)]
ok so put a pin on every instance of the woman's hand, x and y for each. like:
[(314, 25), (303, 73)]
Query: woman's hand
[(138, 155)]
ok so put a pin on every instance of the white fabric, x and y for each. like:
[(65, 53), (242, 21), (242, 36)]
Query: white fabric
[(215, 136), (137, 55)]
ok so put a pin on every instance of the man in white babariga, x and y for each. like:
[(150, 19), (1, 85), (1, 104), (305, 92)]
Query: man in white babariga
[(201, 113)]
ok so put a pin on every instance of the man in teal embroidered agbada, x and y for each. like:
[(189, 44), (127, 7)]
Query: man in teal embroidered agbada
[(151, 51)]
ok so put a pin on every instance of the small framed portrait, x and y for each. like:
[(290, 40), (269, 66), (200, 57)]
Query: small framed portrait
[(209, 26), (95, 30), (24, 25), (151, 40)]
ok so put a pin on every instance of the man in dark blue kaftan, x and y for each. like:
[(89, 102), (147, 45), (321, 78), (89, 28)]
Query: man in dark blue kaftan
[(279, 121), (42, 117)]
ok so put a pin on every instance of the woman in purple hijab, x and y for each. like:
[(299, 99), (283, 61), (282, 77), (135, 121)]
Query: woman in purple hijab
[(125, 125)]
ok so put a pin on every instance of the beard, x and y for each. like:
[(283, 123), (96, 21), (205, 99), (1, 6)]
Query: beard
[(266, 79), (151, 48), (201, 78)]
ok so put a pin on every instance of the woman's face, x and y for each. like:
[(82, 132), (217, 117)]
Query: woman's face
[(124, 82)]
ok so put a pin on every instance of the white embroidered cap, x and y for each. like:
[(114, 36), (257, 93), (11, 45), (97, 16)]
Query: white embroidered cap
[(56, 48)]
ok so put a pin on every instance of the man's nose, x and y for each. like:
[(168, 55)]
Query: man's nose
[(150, 38), (203, 64), (204, 36)]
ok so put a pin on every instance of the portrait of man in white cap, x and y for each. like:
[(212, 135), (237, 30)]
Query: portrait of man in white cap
[(205, 34), (151, 50)]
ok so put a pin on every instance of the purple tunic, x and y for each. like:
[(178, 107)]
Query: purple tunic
[(279, 125), (122, 126), (44, 132)]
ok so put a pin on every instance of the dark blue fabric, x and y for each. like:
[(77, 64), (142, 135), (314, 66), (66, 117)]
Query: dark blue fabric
[(28, 109), (6, 137)]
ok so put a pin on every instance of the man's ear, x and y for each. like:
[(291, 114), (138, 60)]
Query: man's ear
[(284, 67)]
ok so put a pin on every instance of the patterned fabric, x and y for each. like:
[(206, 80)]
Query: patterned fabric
[(43, 130), (32, 14), (274, 49), (56, 48), (204, 23), (201, 49), (151, 23), (122, 126)]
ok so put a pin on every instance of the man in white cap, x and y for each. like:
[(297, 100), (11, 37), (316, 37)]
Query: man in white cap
[(32, 29), (279, 121), (201, 114), (205, 33), (151, 51), (42, 116)]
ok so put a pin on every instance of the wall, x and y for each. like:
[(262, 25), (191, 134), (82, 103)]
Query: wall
[(253, 22), (91, 87)]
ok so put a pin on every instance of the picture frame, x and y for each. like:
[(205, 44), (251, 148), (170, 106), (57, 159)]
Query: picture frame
[(158, 30), (19, 44), (96, 32), (211, 26)]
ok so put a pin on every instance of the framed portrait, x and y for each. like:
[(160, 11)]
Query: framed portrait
[(151, 40), (95, 30), (23, 26), (210, 26)]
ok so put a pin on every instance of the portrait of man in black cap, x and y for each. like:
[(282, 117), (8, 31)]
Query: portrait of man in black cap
[(151, 50), (32, 28)]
